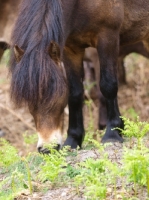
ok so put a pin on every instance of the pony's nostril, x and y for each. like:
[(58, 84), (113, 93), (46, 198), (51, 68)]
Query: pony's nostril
[(57, 147), (43, 150), (46, 150), (39, 149)]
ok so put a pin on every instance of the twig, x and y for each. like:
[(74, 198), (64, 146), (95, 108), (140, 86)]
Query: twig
[(20, 118), (87, 95)]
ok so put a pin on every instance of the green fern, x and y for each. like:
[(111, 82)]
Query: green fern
[(8, 154)]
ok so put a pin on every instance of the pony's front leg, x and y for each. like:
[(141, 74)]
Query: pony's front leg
[(74, 69), (108, 48)]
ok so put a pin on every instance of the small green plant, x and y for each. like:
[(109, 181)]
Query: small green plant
[(17, 170), (92, 178), (136, 166), (30, 139), (134, 129), (54, 164), (11, 185), (72, 171), (8, 154), (28, 175)]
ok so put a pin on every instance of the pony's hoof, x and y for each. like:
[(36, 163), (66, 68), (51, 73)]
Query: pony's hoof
[(102, 126), (72, 142), (112, 138)]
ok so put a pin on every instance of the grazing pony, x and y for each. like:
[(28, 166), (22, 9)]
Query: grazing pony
[(92, 69), (49, 32)]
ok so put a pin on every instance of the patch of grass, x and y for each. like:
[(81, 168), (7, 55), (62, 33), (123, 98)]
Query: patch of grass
[(54, 165), (30, 139), (93, 177), (8, 154), (72, 171), (136, 129), (16, 169), (136, 166)]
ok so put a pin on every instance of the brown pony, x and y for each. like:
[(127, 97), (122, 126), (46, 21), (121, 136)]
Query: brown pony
[(8, 14), (92, 71), (50, 31)]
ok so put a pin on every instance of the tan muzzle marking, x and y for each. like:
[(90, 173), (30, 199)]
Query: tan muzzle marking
[(54, 137)]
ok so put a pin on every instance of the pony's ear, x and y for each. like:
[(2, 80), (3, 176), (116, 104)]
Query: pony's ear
[(18, 53), (54, 51)]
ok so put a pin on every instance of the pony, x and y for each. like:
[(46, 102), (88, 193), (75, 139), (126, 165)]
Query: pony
[(49, 32), (8, 14), (91, 71)]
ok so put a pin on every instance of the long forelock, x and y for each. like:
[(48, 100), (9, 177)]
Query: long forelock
[(36, 75)]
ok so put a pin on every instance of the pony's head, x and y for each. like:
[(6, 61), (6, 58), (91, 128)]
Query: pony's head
[(45, 91), (37, 75)]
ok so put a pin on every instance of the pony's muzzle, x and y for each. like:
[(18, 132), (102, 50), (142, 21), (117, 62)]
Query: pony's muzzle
[(53, 140), (47, 151)]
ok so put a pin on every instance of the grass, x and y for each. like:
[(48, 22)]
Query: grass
[(93, 177)]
